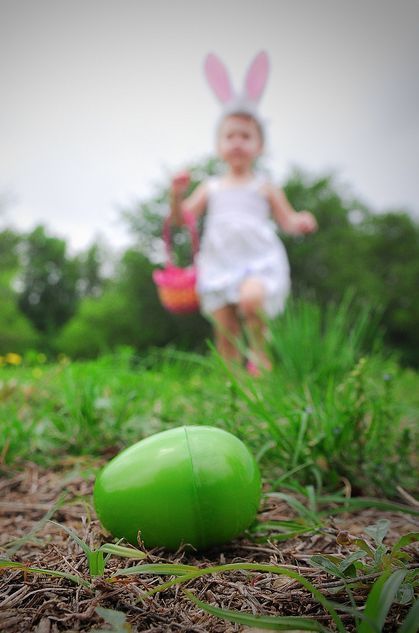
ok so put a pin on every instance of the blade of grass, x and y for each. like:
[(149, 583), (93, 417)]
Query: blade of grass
[(358, 503), (96, 563), (300, 439), (378, 531), (278, 530), (84, 546), (327, 565), (13, 546), (273, 623), (123, 552), (289, 474), (410, 623), (95, 558), (311, 517), (254, 400), (6, 564), (286, 525), (312, 499), (380, 599), (405, 540), (161, 569), (273, 569)]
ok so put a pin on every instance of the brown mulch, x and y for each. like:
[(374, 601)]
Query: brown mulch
[(45, 604)]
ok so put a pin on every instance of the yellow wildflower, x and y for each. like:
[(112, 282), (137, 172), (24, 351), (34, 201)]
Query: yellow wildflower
[(13, 359), (63, 359)]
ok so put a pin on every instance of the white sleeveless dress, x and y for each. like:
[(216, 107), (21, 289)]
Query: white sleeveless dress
[(240, 241)]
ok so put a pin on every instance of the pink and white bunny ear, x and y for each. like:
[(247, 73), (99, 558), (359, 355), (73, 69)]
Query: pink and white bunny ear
[(256, 77), (218, 78)]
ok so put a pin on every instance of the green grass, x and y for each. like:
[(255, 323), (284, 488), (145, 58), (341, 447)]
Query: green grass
[(330, 409), (334, 413)]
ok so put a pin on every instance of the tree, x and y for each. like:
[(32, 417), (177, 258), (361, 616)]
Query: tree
[(127, 313), (9, 258), (374, 254), (392, 261), (16, 332), (92, 280), (49, 279)]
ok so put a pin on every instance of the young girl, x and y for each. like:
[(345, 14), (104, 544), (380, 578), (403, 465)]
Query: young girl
[(242, 267)]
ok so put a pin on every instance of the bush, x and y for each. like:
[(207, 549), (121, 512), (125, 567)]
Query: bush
[(128, 313), (375, 255), (16, 331)]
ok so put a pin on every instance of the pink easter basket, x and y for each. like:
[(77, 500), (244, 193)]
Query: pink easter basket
[(176, 286)]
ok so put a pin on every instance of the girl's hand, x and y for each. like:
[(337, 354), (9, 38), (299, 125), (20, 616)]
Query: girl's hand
[(180, 183), (304, 222)]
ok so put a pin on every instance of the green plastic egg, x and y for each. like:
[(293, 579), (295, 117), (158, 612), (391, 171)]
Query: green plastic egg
[(195, 485)]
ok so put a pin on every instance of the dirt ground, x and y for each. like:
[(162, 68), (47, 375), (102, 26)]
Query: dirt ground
[(33, 602)]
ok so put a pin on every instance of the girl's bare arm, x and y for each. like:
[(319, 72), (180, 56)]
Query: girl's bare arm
[(290, 220), (195, 203)]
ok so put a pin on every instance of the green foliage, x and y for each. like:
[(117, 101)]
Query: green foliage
[(299, 420), (95, 557), (49, 282), (16, 331), (314, 343), (395, 584), (40, 287), (312, 514), (183, 575), (376, 255), (9, 258), (258, 622), (380, 599), (101, 325), (91, 279), (75, 578), (128, 313), (393, 240), (324, 396), (368, 555)]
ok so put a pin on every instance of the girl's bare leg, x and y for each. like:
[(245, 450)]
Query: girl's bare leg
[(252, 295), (227, 329)]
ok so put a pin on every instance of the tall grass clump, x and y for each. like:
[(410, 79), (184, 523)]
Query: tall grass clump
[(329, 410), (313, 345)]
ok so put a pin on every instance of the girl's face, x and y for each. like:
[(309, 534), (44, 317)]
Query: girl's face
[(239, 141)]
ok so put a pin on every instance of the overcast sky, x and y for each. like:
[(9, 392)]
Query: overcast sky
[(100, 97)]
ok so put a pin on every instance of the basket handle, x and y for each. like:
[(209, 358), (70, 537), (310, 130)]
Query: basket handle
[(190, 222)]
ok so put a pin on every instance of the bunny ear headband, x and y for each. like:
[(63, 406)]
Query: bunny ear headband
[(253, 87)]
